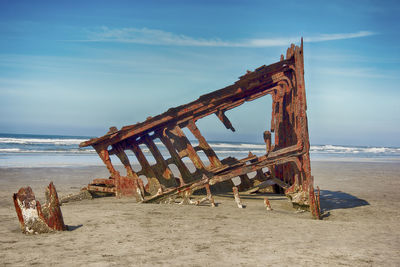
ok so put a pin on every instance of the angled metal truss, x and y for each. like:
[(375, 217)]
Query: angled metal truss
[(286, 157)]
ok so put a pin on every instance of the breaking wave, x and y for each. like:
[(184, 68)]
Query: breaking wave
[(32, 141), (72, 151), (28, 147), (354, 150)]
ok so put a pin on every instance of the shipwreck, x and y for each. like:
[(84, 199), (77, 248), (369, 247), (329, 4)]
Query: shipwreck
[(285, 166)]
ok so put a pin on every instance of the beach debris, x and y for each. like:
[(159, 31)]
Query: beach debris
[(35, 218), (208, 198), (81, 195), (284, 168), (237, 197), (267, 204)]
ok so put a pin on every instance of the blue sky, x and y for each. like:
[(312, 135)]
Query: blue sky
[(79, 67)]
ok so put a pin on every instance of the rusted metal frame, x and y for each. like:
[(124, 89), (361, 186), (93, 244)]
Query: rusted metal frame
[(122, 146), (129, 185), (230, 164), (285, 82), (197, 108), (296, 115), (212, 109), (288, 186), (274, 107), (210, 197), (230, 102), (267, 70), (193, 186), (120, 153), (184, 171), (107, 182), (102, 189), (293, 159), (284, 86), (129, 131), (250, 168), (224, 119), (260, 175), (211, 180), (196, 185), (283, 103), (285, 152), (267, 88), (103, 153), (267, 140), (257, 187), (219, 110), (153, 184), (246, 83), (313, 200), (181, 143), (245, 182), (305, 159), (289, 120), (277, 116), (161, 169), (237, 197), (203, 144), (298, 80), (215, 163), (257, 91)]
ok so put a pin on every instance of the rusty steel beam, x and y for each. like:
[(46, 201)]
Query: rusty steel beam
[(286, 142)]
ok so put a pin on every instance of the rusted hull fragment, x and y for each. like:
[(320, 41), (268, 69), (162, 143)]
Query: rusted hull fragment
[(34, 218), (285, 167)]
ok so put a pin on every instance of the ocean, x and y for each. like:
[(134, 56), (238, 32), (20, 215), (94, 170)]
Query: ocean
[(27, 150)]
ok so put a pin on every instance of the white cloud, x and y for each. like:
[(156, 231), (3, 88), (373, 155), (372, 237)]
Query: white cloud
[(159, 37)]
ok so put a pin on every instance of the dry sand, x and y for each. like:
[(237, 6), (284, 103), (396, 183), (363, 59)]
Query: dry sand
[(361, 225)]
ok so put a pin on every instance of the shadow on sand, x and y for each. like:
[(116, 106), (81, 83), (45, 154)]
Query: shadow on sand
[(331, 200), (73, 227)]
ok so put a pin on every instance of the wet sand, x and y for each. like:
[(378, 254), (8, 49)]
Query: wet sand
[(360, 227)]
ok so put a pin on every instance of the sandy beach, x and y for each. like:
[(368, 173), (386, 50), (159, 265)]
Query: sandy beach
[(360, 225)]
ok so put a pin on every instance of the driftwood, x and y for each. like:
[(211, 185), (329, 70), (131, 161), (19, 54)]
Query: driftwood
[(34, 218)]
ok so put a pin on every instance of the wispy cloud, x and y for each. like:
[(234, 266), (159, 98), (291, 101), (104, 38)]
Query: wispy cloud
[(338, 36), (371, 73), (150, 36), (159, 37)]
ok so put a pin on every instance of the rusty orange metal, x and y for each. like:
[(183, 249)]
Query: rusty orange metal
[(35, 218), (286, 157)]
